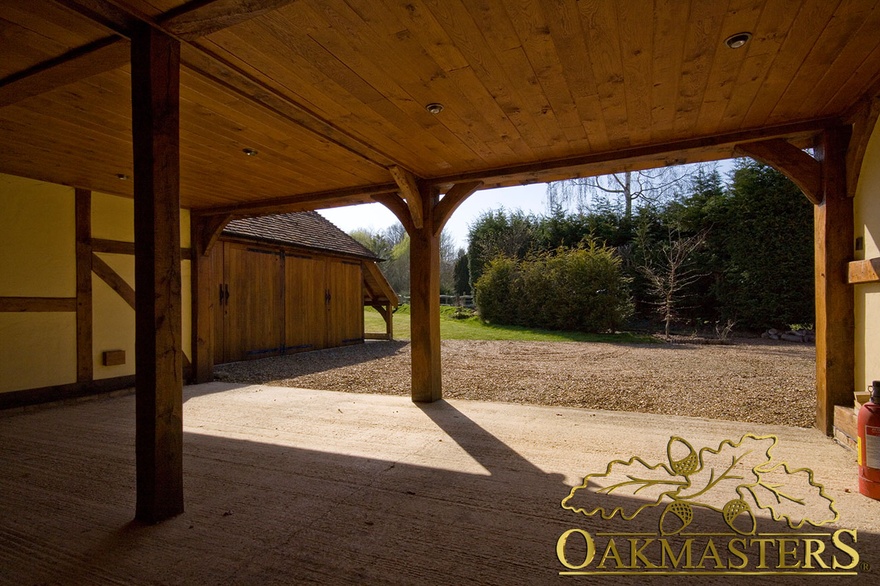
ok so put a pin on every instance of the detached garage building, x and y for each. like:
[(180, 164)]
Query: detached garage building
[(291, 282), (282, 284)]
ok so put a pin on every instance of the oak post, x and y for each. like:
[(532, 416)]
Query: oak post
[(425, 306), (835, 311), (155, 76), (84, 331), (203, 297), (389, 322)]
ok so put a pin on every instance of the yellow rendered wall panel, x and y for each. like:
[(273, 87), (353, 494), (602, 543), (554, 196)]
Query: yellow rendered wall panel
[(37, 248), (186, 306), (184, 229), (112, 321), (37, 350), (867, 295), (112, 217)]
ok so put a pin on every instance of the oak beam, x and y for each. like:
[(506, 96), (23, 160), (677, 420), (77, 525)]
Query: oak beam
[(409, 190), (92, 59), (425, 306), (155, 75), (104, 13), (450, 202), (37, 304), (106, 273), (640, 157), (864, 271), (122, 247), (84, 333), (302, 202), (802, 169), (190, 23), (835, 308), (863, 122)]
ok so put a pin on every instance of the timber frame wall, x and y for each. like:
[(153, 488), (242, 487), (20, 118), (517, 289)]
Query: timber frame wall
[(90, 256)]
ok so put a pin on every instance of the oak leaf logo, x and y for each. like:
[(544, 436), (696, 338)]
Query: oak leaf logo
[(735, 479)]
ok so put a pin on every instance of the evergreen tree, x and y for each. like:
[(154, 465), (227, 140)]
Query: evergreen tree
[(768, 241), (462, 276)]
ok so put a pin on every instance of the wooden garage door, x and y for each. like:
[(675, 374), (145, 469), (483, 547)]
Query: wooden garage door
[(254, 308), (305, 314), (345, 303)]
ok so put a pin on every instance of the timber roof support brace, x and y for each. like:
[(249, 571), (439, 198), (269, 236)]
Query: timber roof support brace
[(863, 122), (450, 202), (801, 168), (409, 190)]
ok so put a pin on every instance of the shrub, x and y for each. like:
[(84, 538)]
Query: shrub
[(580, 289)]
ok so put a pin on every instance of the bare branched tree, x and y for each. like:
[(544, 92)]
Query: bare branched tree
[(672, 273), (627, 189)]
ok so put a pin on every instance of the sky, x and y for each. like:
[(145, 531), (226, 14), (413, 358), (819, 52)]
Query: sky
[(375, 216)]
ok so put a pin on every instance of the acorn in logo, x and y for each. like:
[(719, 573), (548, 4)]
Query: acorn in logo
[(683, 466), (676, 516), (733, 511)]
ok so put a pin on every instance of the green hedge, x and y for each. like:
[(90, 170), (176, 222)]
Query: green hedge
[(580, 289)]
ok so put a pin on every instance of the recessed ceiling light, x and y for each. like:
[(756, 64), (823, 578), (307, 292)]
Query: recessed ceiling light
[(250, 152), (434, 108), (738, 40), (122, 177)]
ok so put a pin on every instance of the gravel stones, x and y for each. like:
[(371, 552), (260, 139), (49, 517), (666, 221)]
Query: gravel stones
[(758, 381)]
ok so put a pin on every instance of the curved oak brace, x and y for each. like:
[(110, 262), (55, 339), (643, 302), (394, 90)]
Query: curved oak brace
[(398, 207), (803, 170), (863, 123), (409, 189), (450, 202), (206, 230)]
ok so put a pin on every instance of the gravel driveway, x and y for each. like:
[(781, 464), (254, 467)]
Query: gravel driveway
[(756, 380)]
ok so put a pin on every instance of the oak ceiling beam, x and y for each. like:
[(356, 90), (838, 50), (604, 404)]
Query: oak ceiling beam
[(110, 17), (674, 152), (303, 202), (199, 18), (803, 170), (98, 57), (450, 202), (409, 190), (187, 22)]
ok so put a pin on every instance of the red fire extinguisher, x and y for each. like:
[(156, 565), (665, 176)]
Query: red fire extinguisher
[(869, 444)]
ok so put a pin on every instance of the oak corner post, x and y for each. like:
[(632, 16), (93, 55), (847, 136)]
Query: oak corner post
[(425, 306), (155, 75), (835, 311)]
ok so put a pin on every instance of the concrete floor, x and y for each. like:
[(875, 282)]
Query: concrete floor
[(288, 486)]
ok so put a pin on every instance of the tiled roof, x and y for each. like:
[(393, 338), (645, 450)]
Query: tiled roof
[(307, 229)]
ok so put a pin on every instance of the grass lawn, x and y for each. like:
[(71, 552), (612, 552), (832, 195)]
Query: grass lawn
[(472, 328)]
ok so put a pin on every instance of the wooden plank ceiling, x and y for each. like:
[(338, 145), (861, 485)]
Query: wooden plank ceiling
[(333, 93)]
